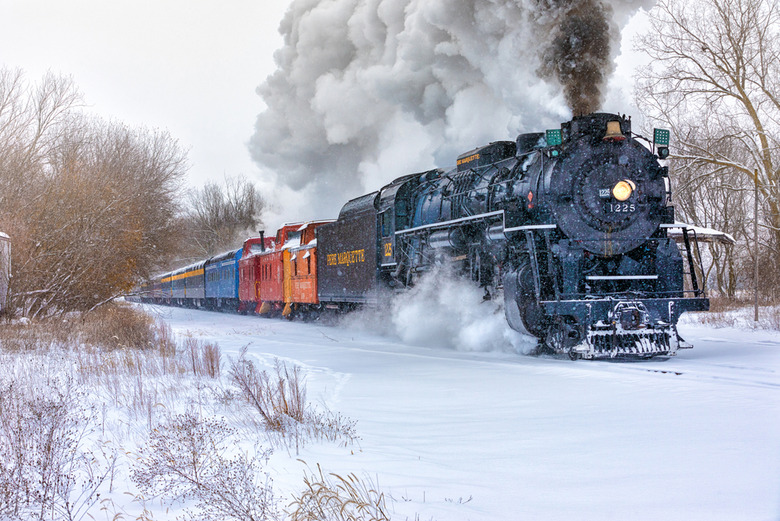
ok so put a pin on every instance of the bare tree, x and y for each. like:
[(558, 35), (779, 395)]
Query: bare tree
[(220, 216), (28, 120), (90, 205), (715, 80), (719, 202)]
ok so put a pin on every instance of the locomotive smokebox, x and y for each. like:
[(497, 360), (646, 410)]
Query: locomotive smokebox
[(604, 189)]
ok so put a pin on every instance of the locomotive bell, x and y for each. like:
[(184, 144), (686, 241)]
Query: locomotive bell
[(613, 132)]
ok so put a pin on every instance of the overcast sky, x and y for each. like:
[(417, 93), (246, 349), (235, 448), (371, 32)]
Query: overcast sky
[(190, 67)]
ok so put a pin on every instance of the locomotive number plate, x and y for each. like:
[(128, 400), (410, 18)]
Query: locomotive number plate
[(621, 207)]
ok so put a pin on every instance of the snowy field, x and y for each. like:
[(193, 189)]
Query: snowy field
[(465, 434)]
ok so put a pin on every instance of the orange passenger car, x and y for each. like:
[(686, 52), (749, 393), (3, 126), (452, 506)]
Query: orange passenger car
[(303, 266)]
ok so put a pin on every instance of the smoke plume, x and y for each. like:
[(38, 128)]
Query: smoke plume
[(369, 90), (579, 56)]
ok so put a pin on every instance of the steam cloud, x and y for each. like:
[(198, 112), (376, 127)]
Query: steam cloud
[(444, 311), (369, 90)]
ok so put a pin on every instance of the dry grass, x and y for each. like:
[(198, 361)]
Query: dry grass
[(118, 326), (23, 337), (53, 453), (279, 399), (773, 318), (203, 358), (740, 314), (722, 304), (335, 498), (126, 372), (113, 326)]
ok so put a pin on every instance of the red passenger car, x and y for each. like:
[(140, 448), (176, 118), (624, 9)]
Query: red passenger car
[(282, 275), (249, 271)]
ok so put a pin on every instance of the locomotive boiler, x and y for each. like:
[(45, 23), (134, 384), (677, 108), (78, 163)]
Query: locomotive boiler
[(571, 225)]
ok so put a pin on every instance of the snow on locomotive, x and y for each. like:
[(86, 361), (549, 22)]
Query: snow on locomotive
[(572, 225)]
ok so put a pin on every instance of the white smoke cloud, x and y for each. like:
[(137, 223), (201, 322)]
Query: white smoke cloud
[(369, 90), (444, 311)]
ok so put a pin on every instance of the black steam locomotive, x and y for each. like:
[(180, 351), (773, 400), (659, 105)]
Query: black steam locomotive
[(571, 224)]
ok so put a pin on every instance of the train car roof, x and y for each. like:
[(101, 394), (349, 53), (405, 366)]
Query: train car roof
[(318, 222), (232, 254), (194, 266), (389, 191), (359, 205)]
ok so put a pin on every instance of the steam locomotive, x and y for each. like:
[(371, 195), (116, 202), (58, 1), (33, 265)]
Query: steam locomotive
[(571, 225)]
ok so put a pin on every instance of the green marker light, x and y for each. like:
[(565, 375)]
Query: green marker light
[(660, 136), (553, 137)]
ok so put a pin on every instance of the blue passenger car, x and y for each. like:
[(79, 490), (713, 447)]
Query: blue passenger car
[(188, 285), (222, 280)]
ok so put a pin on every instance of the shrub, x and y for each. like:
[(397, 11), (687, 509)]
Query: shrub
[(280, 401), (115, 326), (275, 399), (42, 460), (186, 459)]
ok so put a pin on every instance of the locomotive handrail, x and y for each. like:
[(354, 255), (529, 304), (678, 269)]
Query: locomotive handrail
[(502, 213), (585, 297), (450, 223), (621, 277), (531, 227)]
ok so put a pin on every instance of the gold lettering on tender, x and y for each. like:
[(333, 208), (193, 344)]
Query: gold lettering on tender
[(468, 159), (347, 257)]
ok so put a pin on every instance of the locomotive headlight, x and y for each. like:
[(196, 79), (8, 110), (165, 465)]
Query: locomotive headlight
[(623, 190)]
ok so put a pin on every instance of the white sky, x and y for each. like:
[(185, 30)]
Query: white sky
[(187, 66)]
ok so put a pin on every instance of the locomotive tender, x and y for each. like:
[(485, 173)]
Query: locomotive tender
[(571, 225)]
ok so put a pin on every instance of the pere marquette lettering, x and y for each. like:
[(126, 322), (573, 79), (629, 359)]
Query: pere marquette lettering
[(347, 257), (469, 159)]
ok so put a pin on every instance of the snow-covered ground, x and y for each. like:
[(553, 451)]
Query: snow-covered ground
[(495, 435)]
